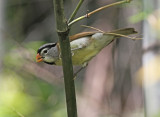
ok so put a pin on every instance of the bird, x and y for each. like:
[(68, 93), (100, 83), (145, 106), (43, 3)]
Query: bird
[(84, 46)]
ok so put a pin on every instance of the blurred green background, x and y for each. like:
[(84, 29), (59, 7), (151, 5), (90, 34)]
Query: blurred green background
[(30, 89)]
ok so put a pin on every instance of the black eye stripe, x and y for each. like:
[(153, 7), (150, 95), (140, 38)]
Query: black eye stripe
[(48, 45)]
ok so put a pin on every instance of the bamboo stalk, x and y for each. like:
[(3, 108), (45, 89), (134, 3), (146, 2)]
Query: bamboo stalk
[(62, 30)]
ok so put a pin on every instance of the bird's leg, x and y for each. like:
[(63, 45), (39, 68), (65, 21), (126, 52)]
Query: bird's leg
[(80, 69), (75, 74)]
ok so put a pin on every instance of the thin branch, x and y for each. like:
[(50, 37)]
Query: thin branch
[(63, 31), (121, 35), (93, 28), (97, 10), (110, 33), (75, 11)]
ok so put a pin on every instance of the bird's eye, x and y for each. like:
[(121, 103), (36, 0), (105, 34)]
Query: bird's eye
[(45, 51)]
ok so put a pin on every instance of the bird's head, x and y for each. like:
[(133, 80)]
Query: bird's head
[(48, 53)]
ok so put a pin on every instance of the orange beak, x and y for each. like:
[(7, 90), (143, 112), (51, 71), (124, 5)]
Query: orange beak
[(39, 58)]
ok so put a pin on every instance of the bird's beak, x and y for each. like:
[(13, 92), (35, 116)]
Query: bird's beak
[(39, 58)]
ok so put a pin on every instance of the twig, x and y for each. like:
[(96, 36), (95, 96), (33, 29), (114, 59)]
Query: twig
[(75, 11), (109, 33), (97, 10), (93, 28), (121, 35)]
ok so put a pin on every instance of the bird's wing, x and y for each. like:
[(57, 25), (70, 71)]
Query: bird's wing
[(80, 35), (80, 43), (82, 40), (124, 31)]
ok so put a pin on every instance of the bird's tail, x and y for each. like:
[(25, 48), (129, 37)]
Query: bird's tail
[(124, 31)]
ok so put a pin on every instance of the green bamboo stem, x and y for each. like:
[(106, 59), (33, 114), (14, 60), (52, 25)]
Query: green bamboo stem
[(75, 11), (62, 30), (97, 10)]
